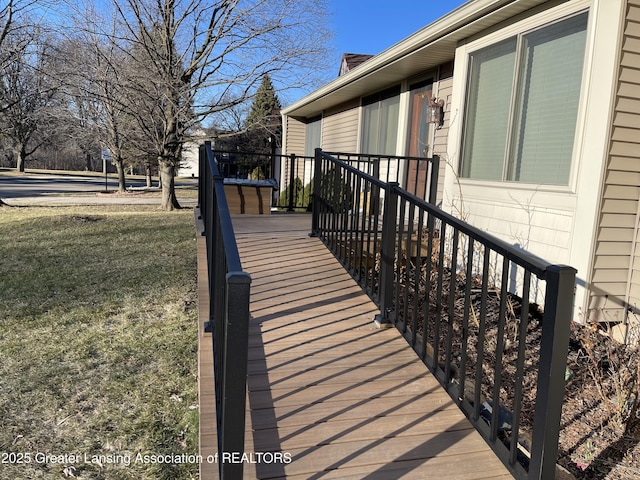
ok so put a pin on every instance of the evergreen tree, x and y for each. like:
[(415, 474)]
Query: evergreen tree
[(263, 123), (265, 103)]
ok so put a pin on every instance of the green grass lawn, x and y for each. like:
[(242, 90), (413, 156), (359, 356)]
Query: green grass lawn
[(98, 342)]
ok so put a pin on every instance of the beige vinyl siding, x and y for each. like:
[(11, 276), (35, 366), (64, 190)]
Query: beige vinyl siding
[(615, 276), (340, 128), (445, 89), (295, 144), (634, 281), (295, 137)]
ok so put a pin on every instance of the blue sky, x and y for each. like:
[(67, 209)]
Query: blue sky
[(371, 26)]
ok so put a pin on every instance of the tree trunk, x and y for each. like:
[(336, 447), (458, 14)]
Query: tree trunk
[(171, 148), (167, 177), (147, 169), (21, 155), (122, 187)]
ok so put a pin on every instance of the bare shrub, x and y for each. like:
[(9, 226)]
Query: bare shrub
[(614, 369)]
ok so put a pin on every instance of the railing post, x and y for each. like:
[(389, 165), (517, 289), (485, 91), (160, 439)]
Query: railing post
[(272, 142), (433, 185), (315, 207), (234, 388), (387, 253), (202, 174), (292, 182), (554, 345)]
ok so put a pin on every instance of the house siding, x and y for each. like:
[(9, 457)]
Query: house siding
[(294, 143), (542, 230), (615, 276), (340, 128), (295, 137), (441, 138)]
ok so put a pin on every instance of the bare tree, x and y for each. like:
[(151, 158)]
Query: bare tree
[(78, 119), (202, 57), (6, 20), (112, 93), (12, 19), (27, 91)]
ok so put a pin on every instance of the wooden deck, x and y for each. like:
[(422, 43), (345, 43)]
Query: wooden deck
[(341, 397)]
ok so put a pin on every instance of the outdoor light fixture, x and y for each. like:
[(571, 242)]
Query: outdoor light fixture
[(435, 114)]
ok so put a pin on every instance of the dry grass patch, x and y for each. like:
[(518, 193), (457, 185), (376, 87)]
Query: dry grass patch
[(98, 342)]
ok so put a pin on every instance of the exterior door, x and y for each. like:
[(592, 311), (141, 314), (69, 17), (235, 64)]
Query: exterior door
[(419, 138)]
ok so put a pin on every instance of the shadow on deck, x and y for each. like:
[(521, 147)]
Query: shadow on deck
[(338, 397)]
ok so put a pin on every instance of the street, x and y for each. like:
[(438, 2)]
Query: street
[(39, 187)]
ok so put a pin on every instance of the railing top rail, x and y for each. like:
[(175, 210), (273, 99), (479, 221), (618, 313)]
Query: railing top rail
[(375, 156), (228, 235), (354, 170), (257, 154), (531, 262)]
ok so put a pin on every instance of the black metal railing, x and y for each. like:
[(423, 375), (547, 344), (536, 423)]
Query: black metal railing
[(246, 164), (418, 175), (296, 183), (229, 288), (294, 174), (488, 319)]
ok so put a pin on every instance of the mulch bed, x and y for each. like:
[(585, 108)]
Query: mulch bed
[(599, 438)]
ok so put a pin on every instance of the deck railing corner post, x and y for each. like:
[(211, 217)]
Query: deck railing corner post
[(292, 183), (433, 186), (387, 253), (315, 207), (558, 310), (234, 377)]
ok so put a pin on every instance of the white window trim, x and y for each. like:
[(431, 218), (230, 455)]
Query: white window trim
[(461, 70), (595, 116)]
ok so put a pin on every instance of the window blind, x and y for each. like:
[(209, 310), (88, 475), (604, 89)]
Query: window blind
[(488, 103), (313, 136), (551, 73), (540, 95), (380, 122)]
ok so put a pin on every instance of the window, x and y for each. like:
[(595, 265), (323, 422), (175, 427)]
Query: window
[(313, 136), (419, 137), (380, 113), (419, 126), (527, 133)]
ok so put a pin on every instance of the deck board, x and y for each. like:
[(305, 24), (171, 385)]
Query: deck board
[(342, 397)]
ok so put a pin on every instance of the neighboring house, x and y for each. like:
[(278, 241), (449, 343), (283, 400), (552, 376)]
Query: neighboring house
[(351, 61), (189, 163), (541, 132), (189, 166)]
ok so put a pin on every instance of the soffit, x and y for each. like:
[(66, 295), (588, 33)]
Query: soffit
[(431, 46)]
